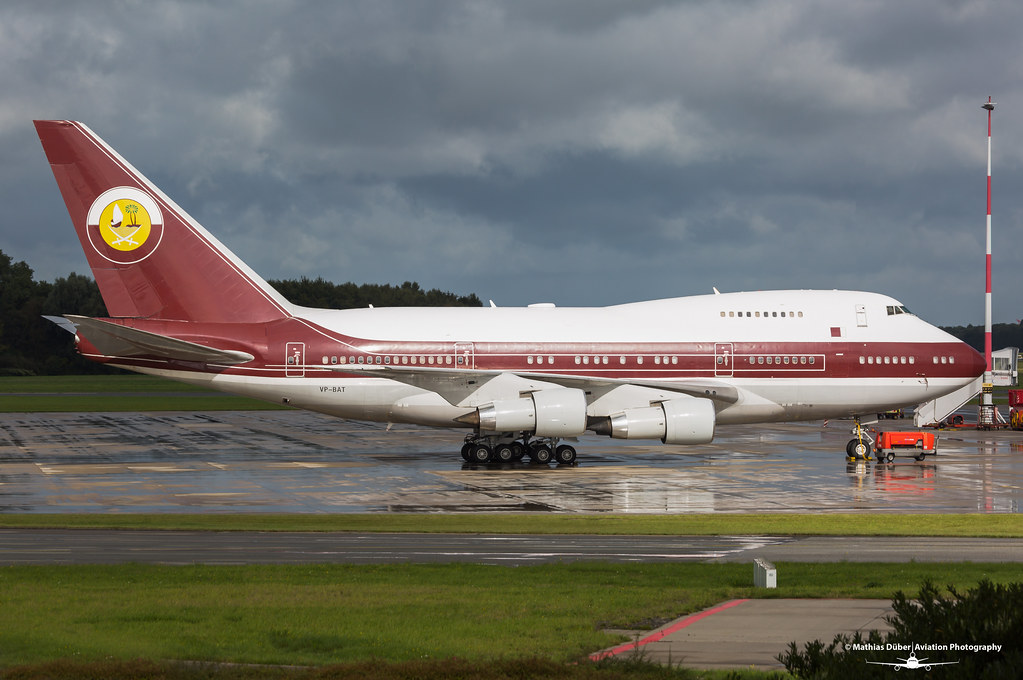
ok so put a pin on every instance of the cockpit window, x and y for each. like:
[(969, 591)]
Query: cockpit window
[(898, 309)]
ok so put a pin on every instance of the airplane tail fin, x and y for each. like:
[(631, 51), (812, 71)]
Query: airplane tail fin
[(149, 257)]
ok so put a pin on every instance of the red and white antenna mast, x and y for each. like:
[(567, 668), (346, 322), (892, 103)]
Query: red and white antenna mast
[(987, 409)]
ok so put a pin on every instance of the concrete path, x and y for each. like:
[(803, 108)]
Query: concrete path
[(752, 633)]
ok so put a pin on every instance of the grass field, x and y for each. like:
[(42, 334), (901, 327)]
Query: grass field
[(993, 525), (323, 614)]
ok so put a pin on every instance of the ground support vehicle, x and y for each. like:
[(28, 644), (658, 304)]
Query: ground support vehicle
[(1016, 409), (915, 444)]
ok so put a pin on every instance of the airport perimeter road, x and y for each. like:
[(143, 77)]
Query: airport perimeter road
[(97, 546)]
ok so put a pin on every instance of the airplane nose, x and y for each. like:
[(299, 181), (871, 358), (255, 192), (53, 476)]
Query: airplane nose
[(975, 361)]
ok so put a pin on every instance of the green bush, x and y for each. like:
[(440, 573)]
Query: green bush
[(936, 626)]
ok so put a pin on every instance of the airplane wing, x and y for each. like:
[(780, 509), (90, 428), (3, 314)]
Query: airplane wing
[(455, 385), (121, 341)]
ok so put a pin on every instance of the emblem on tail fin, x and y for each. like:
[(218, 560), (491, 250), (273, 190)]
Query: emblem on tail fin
[(125, 225)]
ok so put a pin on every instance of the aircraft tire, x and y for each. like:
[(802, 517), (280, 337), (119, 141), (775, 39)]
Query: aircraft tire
[(541, 454), (504, 453), (519, 451), (481, 454), (466, 451), (565, 455), (857, 449)]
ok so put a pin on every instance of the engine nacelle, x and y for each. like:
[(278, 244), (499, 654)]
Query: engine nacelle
[(677, 421), (557, 412)]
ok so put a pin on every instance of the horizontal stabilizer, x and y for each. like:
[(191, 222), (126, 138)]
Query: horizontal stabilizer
[(121, 341)]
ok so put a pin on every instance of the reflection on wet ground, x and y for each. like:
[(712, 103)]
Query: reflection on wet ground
[(292, 461)]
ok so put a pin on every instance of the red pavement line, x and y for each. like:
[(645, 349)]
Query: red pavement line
[(665, 632)]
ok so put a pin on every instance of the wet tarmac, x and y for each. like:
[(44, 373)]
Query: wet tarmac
[(293, 461)]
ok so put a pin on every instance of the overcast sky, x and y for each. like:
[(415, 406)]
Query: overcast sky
[(584, 153)]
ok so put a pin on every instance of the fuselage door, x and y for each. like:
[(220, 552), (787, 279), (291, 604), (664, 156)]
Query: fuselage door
[(723, 358), (465, 355), (294, 359), (861, 316)]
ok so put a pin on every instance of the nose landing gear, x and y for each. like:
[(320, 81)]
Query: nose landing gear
[(862, 446)]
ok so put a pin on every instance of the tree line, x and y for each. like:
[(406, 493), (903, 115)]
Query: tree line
[(31, 345)]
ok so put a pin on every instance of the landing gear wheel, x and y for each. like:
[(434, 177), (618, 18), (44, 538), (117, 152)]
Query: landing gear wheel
[(565, 455), (504, 453), (541, 453), (466, 451), (518, 450), (858, 449), (481, 453)]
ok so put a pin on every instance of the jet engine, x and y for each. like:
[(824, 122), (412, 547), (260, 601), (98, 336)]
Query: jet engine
[(557, 412), (687, 420)]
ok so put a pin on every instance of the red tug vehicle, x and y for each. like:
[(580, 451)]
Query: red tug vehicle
[(917, 444)]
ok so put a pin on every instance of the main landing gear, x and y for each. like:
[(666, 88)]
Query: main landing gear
[(503, 448)]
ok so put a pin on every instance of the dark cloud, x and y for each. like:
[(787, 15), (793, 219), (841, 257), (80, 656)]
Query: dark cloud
[(583, 152)]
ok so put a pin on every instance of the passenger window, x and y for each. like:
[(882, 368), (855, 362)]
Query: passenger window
[(639, 360), (529, 360), (811, 359), (862, 360), (387, 360)]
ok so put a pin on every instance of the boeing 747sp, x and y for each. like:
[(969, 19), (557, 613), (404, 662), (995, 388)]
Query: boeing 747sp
[(523, 381)]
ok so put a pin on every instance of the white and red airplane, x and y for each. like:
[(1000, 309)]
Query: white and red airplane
[(185, 307)]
